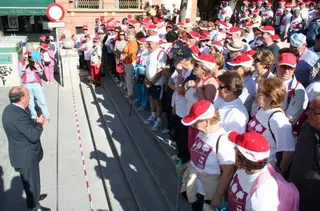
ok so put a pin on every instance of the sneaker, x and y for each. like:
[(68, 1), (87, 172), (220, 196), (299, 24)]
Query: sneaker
[(150, 120), (174, 157), (50, 82), (127, 96), (165, 131), (173, 143), (166, 141), (157, 126)]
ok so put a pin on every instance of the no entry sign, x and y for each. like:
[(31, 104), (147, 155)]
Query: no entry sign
[(55, 12)]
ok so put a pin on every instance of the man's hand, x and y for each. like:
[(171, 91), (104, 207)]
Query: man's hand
[(42, 120)]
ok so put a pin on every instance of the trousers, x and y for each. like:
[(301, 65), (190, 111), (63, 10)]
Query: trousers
[(180, 136), (49, 70), (31, 183), (129, 68), (95, 73), (36, 91)]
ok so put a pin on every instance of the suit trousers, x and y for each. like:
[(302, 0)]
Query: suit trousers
[(31, 183)]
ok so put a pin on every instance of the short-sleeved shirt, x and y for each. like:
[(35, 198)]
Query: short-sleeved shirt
[(204, 156), (156, 60)]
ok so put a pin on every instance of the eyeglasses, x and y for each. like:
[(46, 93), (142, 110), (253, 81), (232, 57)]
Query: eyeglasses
[(221, 87), (121, 34), (313, 112)]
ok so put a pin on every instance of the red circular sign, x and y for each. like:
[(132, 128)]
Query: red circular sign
[(55, 12)]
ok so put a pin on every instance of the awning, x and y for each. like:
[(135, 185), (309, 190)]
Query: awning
[(23, 7), (16, 11)]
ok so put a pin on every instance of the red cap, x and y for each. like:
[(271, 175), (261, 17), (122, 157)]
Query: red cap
[(216, 44), (234, 30), (42, 37), (97, 19), (45, 45), (96, 39), (204, 37), (267, 29), (254, 146), (180, 24), (129, 17), (275, 38), (101, 17), (194, 35), (153, 27), (242, 60), (203, 109), (206, 59), (142, 40), (169, 26), (250, 53), (187, 20), (111, 28), (202, 27), (133, 22), (287, 59), (109, 20)]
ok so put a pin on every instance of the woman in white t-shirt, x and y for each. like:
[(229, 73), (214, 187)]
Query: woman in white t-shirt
[(212, 156), (271, 121), (243, 64), (252, 152), (205, 87), (234, 115), (263, 61)]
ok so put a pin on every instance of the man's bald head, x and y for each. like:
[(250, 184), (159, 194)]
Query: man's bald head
[(17, 94)]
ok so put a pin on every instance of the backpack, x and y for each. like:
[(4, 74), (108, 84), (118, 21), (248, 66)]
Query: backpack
[(288, 194)]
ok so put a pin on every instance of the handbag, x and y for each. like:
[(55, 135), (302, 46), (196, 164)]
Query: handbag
[(120, 67)]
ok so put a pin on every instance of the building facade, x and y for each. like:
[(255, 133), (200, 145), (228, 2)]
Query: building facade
[(84, 12)]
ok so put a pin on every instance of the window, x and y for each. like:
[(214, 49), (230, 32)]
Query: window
[(79, 30), (88, 4), (129, 4)]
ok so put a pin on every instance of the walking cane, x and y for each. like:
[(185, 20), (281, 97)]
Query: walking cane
[(178, 185)]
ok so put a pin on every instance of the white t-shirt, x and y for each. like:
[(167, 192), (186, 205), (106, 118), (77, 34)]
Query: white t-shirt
[(313, 90), (265, 197), (179, 102), (87, 50), (248, 92), (234, 115), (162, 33), (285, 23), (203, 155), (278, 16), (280, 127), (155, 61)]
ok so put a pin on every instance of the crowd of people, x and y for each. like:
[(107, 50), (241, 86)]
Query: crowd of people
[(241, 110)]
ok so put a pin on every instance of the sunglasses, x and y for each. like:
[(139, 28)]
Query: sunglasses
[(221, 87), (313, 112), (256, 60), (121, 34)]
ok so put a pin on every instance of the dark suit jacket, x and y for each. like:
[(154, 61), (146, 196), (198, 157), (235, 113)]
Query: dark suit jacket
[(23, 136)]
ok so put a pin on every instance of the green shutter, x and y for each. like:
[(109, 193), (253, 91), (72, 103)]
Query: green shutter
[(23, 7)]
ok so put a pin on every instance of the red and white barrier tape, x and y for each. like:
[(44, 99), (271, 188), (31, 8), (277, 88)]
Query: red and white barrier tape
[(80, 144)]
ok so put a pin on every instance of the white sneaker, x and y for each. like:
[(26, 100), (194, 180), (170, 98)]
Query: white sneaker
[(150, 120), (165, 131), (157, 126), (174, 157), (120, 84)]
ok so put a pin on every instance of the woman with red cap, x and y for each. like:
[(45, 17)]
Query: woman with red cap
[(208, 174), (205, 87), (48, 62), (252, 153)]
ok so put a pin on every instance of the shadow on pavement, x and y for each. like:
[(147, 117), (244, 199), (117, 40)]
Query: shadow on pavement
[(11, 199)]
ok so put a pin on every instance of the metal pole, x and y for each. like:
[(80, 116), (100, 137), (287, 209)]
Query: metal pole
[(59, 59)]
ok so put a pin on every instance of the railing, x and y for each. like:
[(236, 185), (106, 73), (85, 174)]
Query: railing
[(88, 4), (129, 4)]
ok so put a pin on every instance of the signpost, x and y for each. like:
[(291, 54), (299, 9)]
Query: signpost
[(55, 14)]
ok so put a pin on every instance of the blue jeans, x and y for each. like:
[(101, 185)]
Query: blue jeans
[(36, 92)]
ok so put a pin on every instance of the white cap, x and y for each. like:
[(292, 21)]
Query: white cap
[(51, 38), (154, 38)]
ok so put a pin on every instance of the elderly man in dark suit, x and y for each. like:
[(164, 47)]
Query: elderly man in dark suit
[(25, 149)]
